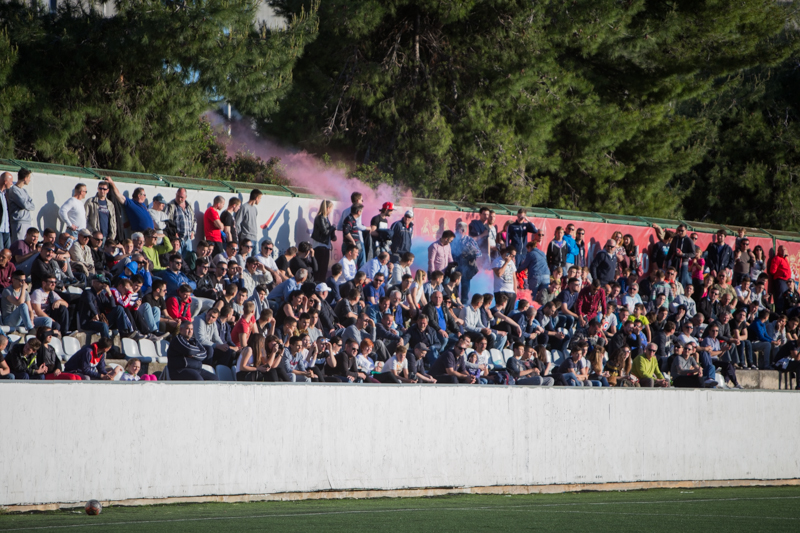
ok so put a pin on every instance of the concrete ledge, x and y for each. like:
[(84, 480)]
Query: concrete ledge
[(418, 493)]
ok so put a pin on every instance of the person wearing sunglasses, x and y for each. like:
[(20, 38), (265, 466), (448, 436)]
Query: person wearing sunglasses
[(645, 367), (101, 214)]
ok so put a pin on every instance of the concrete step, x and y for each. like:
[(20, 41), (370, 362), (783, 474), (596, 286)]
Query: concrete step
[(759, 379)]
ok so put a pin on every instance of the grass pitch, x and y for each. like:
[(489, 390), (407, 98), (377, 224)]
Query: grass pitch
[(730, 509)]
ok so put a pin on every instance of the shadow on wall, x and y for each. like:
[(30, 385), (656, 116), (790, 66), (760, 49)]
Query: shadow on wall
[(282, 240), (48, 214), (302, 231)]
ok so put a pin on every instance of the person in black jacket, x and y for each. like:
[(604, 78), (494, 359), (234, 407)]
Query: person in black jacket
[(436, 309), (719, 255), (321, 237), (604, 265), (422, 332), (327, 318), (185, 357), (305, 259), (680, 252), (204, 284), (22, 361), (346, 369), (47, 356), (98, 302), (45, 265)]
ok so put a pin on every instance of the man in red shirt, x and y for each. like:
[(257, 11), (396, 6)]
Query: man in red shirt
[(780, 273), (591, 299), (212, 225)]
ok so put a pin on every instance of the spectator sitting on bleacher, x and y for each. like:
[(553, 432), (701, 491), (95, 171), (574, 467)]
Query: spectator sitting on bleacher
[(206, 333), (98, 310), (173, 276), (90, 362), (46, 355), (185, 357), (81, 259), (523, 372), (21, 359), (25, 250), (16, 306), (450, 367), (179, 307), (685, 371), (254, 274), (46, 303), (190, 257), (7, 268), (645, 367), (5, 371)]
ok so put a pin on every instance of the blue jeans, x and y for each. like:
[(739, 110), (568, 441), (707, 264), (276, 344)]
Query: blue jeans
[(565, 321), (745, 353), (116, 319), (20, 317), (151, 316), (767, 348), (25, 375), (186, 245), (5, 240), (570, 380), (499, 341), (684, 276)]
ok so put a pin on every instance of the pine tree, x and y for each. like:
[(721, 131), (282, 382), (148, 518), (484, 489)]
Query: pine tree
[(126, 92), (558, 103), (11, 95)]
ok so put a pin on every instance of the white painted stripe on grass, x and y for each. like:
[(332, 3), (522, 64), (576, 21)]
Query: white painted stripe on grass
[(518, 508)]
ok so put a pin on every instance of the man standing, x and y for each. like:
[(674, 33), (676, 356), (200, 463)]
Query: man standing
[(479, 230), (402, 232), (6, 182), (212, 224), (536, 263), (379, 229), (135, 207), (779, 273), (182, 214), (20, 206), (604, 265), (518, 232), (351, 232), (100, 213), (505, 278), (73, 213), (719, 255), (228, 218), (680, 252), (439, 253), (466, 252), (158, 213), (247, 217)]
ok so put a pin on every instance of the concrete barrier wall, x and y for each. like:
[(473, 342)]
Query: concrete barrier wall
[(68, 442)]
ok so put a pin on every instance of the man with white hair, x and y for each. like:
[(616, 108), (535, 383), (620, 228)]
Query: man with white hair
[(604, 265)]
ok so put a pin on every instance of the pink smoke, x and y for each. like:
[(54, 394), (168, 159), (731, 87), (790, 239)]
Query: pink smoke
[(307, 171)]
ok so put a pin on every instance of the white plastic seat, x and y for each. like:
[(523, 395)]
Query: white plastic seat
[(5, 329), (162, 347), (13, 339), (224, 373), (130, 349), (55, 342), (497, 359), (233, 372), (71, 345), (118, 377), (29, 337), (148, 352), (507, 354), (210, 368)]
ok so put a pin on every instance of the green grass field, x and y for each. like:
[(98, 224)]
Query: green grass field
[(735, 509)]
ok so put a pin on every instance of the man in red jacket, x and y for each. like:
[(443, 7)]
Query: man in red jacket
[(179, 307), (780, 273)]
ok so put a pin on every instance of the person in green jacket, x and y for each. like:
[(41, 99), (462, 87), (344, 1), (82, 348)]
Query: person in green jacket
[(152, 250), (645, 367)]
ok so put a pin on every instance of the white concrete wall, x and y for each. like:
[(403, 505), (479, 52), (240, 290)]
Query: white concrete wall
[(172, 439)]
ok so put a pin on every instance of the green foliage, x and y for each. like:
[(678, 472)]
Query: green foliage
[(570, 104), (751, 173), (11, 95), (126, 92)]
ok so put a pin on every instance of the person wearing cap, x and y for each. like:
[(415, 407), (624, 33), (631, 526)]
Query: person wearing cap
[(402, 232), (416, 369), (152, 250), (101, 214), (158, 213), (73, 213), (81, 258), (604, 264), (327, 318)]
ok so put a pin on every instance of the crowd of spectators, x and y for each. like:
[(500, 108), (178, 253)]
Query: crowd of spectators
[(123, 265)]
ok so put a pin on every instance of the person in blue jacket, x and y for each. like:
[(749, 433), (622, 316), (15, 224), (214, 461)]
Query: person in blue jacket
[(535, 262)]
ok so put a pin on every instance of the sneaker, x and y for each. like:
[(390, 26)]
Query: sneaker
[(739, 386), (152, 337), (753, 367)]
